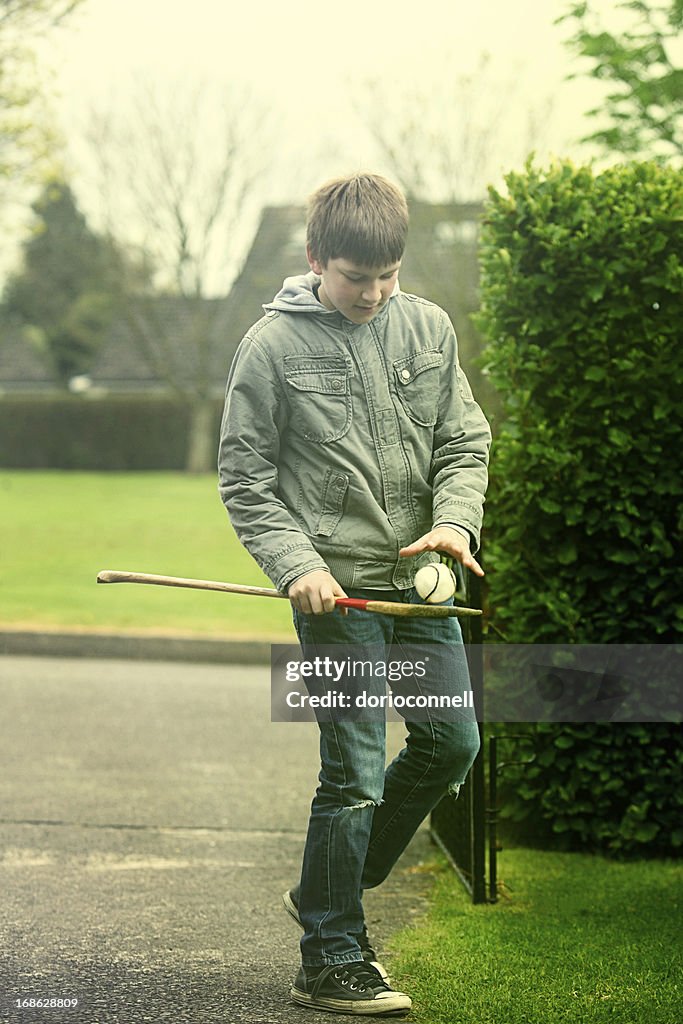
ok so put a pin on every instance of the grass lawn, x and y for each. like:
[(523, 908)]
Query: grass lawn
[(58, 529), (578, 940)]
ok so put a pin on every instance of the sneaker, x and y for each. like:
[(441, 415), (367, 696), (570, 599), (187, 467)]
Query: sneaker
[(367, 952), (348, 988)]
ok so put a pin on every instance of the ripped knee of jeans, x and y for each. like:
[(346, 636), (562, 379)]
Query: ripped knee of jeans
[(454, 789), (359, 800)]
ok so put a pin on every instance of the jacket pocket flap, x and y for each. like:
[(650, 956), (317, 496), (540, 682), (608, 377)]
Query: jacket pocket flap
[(406, 370), (324, 376)]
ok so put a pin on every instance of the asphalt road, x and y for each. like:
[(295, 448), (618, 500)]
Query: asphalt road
[(151, 815)]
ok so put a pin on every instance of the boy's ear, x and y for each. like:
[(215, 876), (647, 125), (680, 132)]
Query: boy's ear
[(313, 262)]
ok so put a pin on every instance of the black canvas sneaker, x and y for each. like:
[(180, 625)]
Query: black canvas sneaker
[(348, 988), (367, 952)]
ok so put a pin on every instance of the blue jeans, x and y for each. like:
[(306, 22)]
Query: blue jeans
[(363, 816)]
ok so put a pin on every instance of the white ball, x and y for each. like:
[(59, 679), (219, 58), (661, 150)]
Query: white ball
[(435, 582)]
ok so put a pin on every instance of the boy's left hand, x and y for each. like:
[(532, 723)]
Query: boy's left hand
[(452, 542)]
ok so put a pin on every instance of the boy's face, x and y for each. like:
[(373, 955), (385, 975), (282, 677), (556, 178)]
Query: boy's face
[(357, 291)]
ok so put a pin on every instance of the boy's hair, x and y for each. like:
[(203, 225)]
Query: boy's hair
[(363, 218)]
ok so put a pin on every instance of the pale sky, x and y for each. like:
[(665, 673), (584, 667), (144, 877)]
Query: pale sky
[(308, 65), (300, 47), (306, 61)]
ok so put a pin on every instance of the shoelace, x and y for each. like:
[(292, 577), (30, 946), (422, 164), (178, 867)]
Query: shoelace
[(360, 977)]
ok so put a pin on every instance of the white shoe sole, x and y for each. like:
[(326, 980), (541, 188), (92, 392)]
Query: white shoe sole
[(393, 1004)]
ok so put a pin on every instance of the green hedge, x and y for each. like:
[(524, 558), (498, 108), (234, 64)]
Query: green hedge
[(109, 433), (582, 276), (616, 790)]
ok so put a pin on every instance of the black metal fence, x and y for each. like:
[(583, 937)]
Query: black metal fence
[(466, 827)]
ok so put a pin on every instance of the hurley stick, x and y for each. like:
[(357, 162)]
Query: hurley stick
[(427, 611)]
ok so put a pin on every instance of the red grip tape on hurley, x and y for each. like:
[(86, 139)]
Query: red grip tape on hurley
[(352, 602)]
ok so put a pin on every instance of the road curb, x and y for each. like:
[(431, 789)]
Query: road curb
[(122, 645)]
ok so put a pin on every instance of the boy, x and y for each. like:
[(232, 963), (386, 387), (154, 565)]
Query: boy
[(351, 452)]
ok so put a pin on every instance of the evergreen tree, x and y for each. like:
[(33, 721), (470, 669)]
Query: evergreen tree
[(67, 287)]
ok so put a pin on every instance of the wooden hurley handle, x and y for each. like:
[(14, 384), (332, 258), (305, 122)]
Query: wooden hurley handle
[(116, 576), (426, 611)]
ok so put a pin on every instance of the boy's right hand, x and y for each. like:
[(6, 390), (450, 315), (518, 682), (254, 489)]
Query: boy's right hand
[(315, 592)]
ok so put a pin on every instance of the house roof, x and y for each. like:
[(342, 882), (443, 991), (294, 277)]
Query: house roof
[(198, 337), (440, 263), (188, 337), (278, 251), (23, 366)]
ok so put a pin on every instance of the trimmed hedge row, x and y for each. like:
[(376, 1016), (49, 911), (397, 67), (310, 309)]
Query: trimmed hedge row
[(108, 433), (582, 277), (581, 304)]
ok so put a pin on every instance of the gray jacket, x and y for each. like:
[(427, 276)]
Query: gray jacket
[(343, 442)]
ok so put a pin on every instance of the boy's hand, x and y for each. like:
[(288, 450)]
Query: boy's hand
[(444, 538), (314, 593)]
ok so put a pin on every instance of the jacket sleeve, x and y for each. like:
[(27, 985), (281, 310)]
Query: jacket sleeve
[(462, 439), (254, 418)]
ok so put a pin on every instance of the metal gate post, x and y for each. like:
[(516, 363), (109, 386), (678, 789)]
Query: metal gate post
[(477, 779), (492, 818)]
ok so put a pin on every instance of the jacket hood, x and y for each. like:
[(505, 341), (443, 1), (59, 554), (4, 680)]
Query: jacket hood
[(297, 296)]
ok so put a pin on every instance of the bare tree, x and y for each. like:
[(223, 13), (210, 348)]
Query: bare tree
[(447, 141), (179, 176)]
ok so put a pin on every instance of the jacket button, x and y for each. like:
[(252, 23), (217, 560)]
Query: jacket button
[(337, 384), (405, 374)]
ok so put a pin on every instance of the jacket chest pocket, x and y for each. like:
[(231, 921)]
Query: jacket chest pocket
[(319, 397), (417, 383)]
